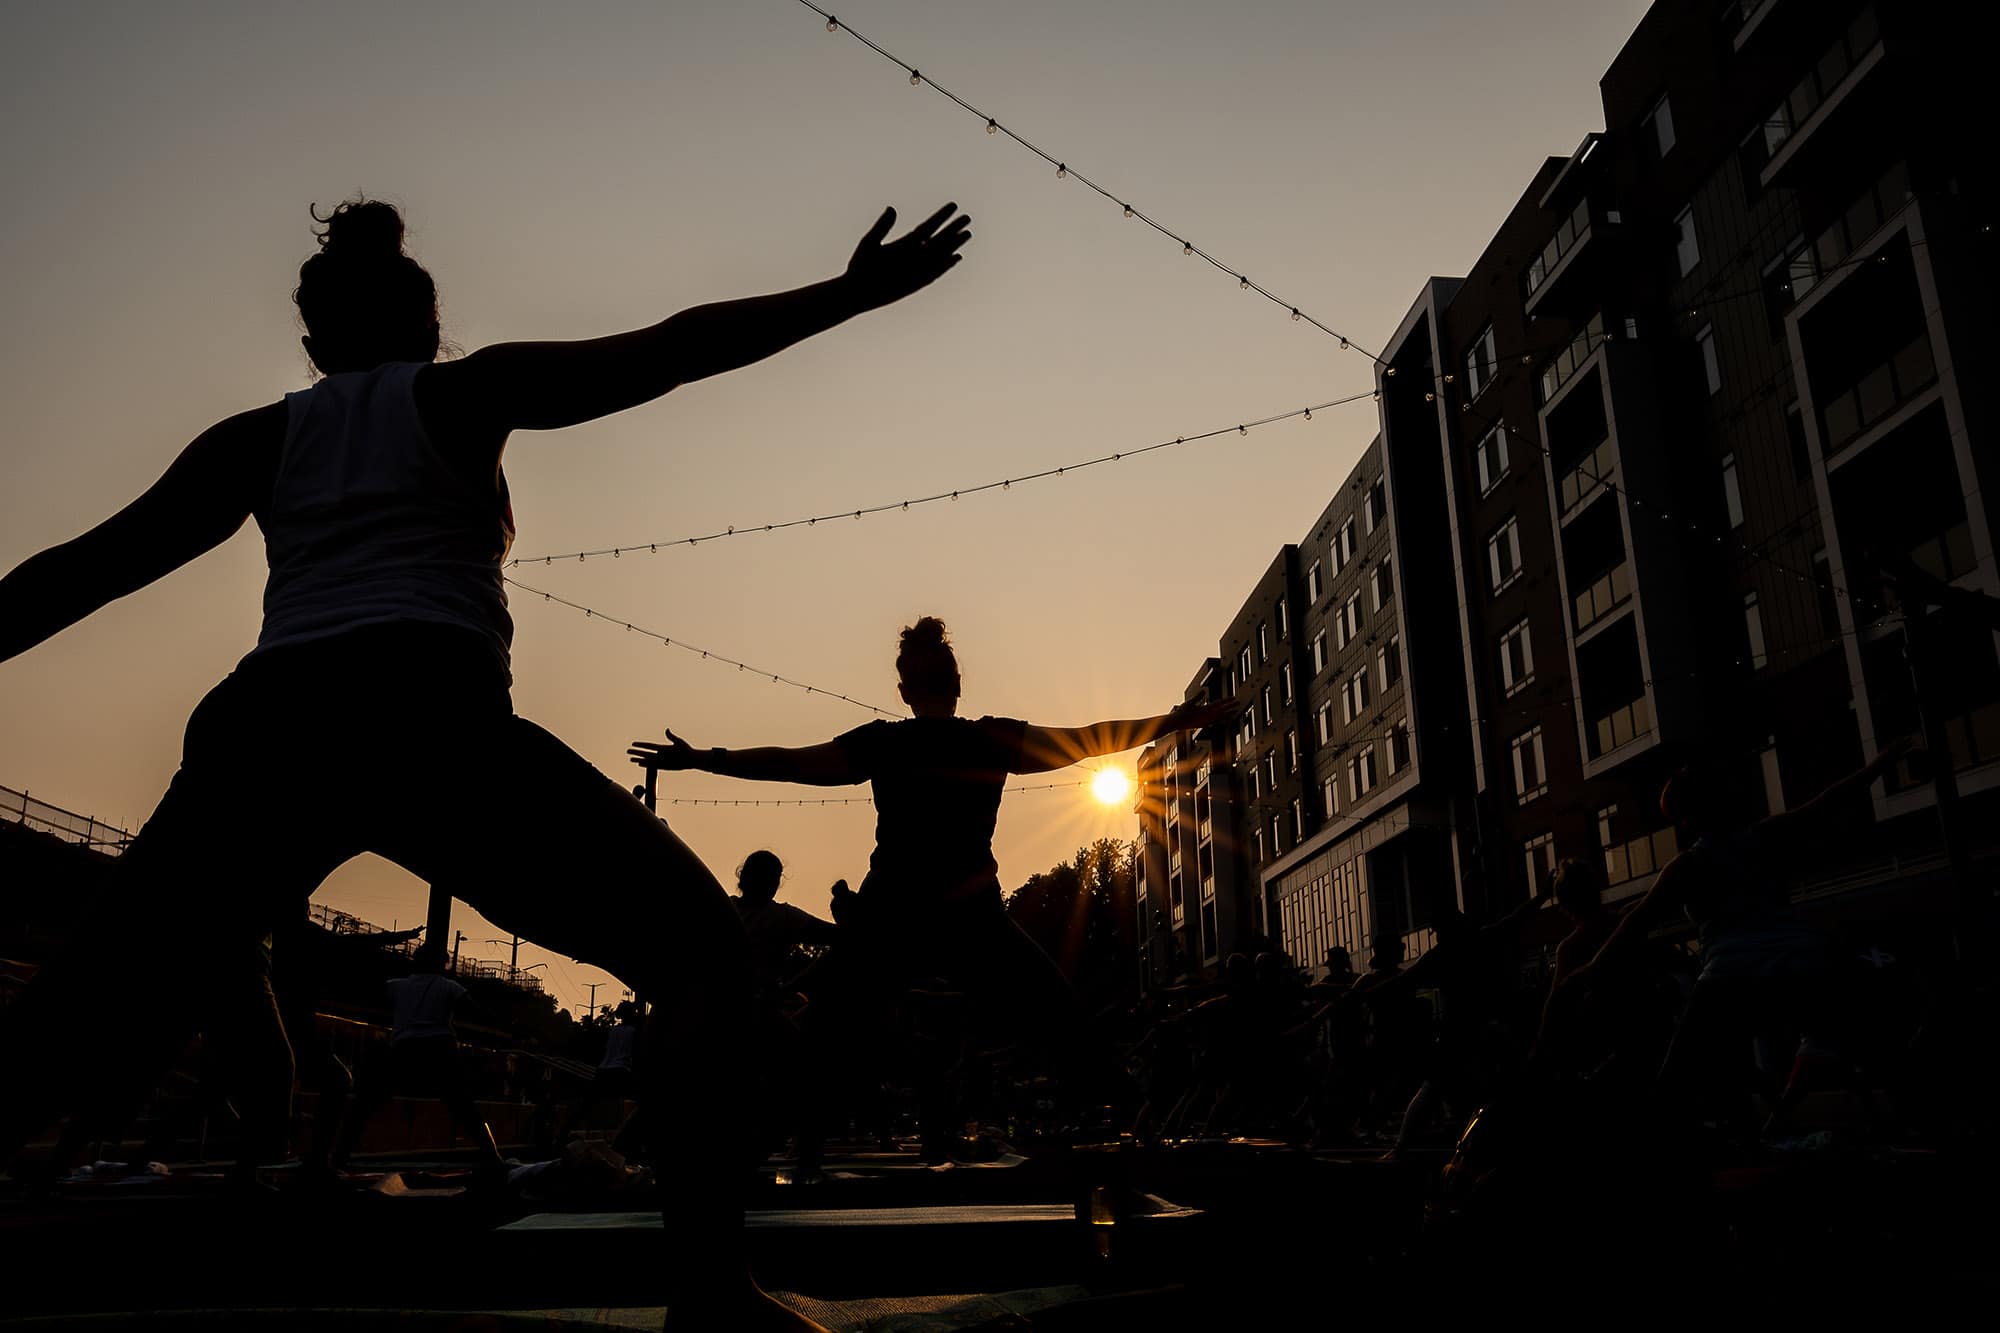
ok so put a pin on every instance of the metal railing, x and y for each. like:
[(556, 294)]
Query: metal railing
[(83, 830)]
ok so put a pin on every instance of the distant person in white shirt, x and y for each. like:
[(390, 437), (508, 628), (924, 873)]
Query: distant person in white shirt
[(422, 1061)]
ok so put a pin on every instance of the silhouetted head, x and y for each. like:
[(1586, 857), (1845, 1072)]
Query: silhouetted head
[(927, 669), (1690, 801), (1237, 971), (1387, 951), (759, 874), (1271, 968), (1339, 963), (1579, 886), (364, 301)]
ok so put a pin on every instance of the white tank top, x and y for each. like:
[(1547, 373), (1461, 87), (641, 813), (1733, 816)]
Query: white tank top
[(369, 525)]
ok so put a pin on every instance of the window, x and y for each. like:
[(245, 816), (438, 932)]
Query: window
[(1374, 508), (1399, 746), (1503, 555), (1256, 781), (1389, 661), (1481, 362), (1285, 681), (1656, 131), (1361, 773), (1270, 716), (1687, 248), (1211, 947), (1787, 279), (1732, 495), (1711, 367), (1325, 723), (1531, 779), (1347, 622), (1329, 796), (1314, 587), (1298, 819), (1343, 546), (1491, 457), (1247, 732), (1382, 585), (1243, 665), (1517, 658), (1540, 854), (1292, 751), (1263, 644), (1753, 623), (1319, 652), (1261, 858), (1774, 779), (1271, 769), (1284, 620), (1177, 894)]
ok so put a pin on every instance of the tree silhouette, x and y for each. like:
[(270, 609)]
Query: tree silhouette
[(1081, 914)]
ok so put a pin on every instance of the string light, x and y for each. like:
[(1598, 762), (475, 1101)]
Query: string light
[(706, 654), (994, 126), (1005, 483)]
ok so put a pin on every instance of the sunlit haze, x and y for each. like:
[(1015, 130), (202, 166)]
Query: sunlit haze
[(570, 171)]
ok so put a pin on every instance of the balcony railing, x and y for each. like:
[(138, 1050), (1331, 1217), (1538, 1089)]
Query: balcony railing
[(1603, 596), (1599, 466), (1821, 81), (1878, 202), (1880, 392), (1623, 726), (1570, 233), (1566, 362)]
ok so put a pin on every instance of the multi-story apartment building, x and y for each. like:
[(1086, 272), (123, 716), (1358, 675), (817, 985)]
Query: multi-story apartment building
[(1381, 722), (1710, 378)]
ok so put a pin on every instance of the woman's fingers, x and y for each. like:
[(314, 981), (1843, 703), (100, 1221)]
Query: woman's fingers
[(923, 230), (880, 229)]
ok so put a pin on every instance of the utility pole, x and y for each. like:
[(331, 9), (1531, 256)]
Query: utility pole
[(457, 938), (513, 958), (593, 993)]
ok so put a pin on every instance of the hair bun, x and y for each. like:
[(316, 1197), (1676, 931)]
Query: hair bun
[(928, 632), (362, 229)]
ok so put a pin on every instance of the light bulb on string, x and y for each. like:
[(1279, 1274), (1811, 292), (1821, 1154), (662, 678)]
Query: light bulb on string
[(832, 24), (1295, 312), (992, 127), (1128, 210), (1187, 247), (1062, 170), (1243, 282), (916, 77)]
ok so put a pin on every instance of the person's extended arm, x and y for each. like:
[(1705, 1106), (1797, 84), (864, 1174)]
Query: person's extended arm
[(1804, 821), (200, 501), (1669, 890), (549, 385), (1046, 748), (824, 765)]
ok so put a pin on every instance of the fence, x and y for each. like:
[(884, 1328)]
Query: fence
[(341, 923), (82, 830)]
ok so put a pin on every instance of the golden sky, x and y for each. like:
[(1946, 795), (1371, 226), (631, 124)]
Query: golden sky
[(580, 169)]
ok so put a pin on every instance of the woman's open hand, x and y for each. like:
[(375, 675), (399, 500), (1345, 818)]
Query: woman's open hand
[(884, 273), (674, 756)]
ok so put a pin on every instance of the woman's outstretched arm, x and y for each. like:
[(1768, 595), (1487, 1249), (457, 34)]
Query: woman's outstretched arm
[(814, 765), (1047, 748), (200, 501), (548, 385)]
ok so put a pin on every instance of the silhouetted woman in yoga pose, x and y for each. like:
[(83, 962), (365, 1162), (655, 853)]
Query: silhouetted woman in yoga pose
[(930, 905), (383, 659)]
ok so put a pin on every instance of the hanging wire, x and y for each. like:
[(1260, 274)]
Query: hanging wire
[(1064, 170), (776, 678), (916, 501)]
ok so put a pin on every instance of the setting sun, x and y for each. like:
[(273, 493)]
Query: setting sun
[(1111, 786)]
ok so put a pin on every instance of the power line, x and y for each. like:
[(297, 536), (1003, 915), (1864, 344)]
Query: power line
[(1003, 484), (777, 678), (1066, 171)]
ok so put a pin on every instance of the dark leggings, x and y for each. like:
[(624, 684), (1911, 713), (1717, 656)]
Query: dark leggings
[(400, 741)]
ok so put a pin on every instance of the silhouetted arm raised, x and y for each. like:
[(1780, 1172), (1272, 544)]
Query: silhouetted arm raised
[(548, 385), (1046, 748), (196, 505), (813, 765)]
